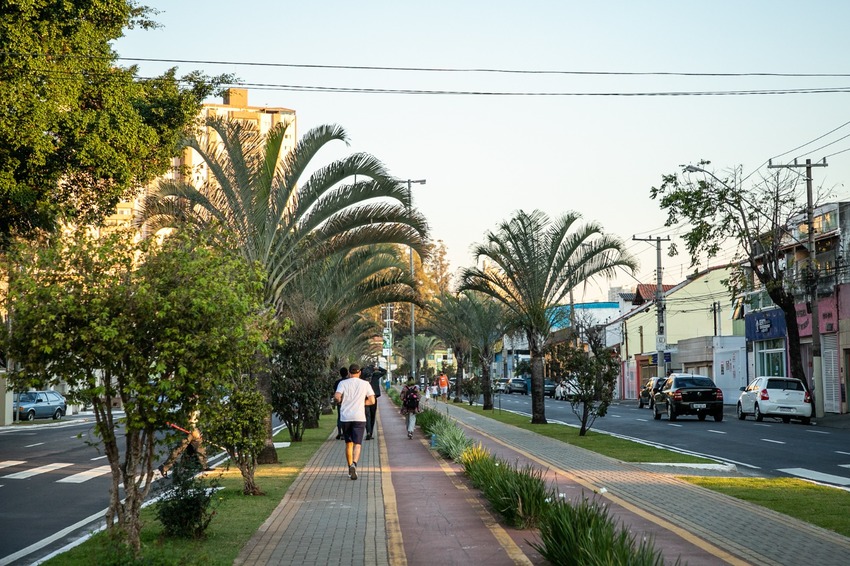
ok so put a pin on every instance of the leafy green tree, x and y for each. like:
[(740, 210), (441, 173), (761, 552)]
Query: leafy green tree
[(590, 374), (238, 425), (149, 327), (531, 265), (77, 132), (259, 197), (755, 219)]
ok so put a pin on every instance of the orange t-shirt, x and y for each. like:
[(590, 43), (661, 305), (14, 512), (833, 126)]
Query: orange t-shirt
[(444, 381)]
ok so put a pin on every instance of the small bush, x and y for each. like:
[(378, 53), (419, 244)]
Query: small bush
[(451, 440), (185, 509), (427, 419), (519, 495), (584, 534)]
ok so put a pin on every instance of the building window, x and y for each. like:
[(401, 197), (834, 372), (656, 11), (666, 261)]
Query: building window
[(770, 358)]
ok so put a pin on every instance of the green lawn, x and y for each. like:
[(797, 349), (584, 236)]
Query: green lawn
[(816, 504), (600, 443), (237, 516)]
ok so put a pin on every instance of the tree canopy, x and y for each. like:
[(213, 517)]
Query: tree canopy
[(77, 132)]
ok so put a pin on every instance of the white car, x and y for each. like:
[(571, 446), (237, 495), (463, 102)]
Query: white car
[(782, 397)]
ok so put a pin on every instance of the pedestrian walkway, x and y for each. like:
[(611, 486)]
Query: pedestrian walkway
[(410, 507)]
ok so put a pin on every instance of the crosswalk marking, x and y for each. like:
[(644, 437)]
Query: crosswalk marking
[(36, 471), (86, 475), (10, 463), (816, 476)]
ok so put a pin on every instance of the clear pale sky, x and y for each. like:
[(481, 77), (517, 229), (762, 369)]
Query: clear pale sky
[(486, 156)]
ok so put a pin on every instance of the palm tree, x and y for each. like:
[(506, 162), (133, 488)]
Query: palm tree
[(486, 323), (257, 198), (532, 263), (447, 318)]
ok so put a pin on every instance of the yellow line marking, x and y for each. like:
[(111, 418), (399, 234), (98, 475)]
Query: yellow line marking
[(395, 541), (685, 534)]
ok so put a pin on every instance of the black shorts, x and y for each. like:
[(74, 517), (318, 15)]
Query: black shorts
[(353, 431)]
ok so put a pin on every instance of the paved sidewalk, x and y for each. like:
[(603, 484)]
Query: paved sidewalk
[(409, 507)]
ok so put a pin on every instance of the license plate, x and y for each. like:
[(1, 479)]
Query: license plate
[(698, 406), (785, 409)]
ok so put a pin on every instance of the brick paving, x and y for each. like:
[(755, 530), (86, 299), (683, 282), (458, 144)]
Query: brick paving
[(410, 507)]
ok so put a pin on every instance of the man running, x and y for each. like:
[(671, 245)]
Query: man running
[(353, 395)]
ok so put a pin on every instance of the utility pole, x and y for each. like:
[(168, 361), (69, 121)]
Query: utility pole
[(410, 183), (661, 335), (811, 278)]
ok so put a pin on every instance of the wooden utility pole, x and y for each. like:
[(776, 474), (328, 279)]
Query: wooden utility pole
[(811, 278), (661, 335)]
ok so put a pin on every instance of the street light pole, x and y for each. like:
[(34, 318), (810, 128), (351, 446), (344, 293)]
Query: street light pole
[(410, 183)]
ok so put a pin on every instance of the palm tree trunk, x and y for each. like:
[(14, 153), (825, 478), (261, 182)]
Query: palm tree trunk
[(538, 407)]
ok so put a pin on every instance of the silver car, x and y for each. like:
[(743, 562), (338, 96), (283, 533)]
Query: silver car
[(31, 405), (782, 397)]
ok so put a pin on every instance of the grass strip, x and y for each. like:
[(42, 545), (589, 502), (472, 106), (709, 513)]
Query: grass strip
[(605, 444), (237, 516), (819, 505)]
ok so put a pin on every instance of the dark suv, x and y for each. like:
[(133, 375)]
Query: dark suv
[(647, 393), (689, 394)]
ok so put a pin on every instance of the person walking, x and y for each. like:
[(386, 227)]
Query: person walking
[(343, 373), (443, 382), (353, 396), (373, 375), (410, 405)]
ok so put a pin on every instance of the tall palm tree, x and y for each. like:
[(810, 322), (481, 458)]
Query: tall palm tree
[(259, 199), (532, 262), (487, 322)]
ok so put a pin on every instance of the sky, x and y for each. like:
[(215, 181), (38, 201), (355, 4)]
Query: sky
[(486, 156)]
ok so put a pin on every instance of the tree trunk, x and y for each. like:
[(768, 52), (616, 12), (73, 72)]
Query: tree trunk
[(538, 407), (268, 455), (785, 301), (485, 381)]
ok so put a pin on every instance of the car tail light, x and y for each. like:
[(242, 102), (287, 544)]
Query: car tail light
[(807, 398), (763, 396), (718, 395), (677, 395)]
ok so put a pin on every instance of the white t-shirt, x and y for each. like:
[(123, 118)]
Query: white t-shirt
[(354, 393)]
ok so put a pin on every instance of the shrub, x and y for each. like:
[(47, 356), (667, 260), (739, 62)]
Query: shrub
[(427, 419), (185, 509), (584, 534), (451, 440)]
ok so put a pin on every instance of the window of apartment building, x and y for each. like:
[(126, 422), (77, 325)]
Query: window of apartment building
[(770, 358)]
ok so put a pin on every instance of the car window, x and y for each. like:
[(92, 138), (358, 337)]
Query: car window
[(785, 384), (42, 397), (54, 397), (27, 397)]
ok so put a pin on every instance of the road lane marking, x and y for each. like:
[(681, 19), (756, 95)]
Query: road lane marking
[(672, 424), (817, 431), (717, 431), (643, 420), (36, 444), (816, 476), (773, 441), (844, 465), (10, 463), (36, 471), (840, 452), (86, 475), (98, 458)]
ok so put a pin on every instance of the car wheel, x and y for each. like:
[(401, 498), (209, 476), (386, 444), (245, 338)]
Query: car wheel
[(740, 411), (786, 420), (671, 412), (57, 415), (701, 416), (757, 413), (31, 416), (656, 414), (718, 417)]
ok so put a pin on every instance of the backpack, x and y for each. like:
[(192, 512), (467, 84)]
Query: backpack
[(411, 399)]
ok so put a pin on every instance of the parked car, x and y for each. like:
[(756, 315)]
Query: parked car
[(563, 390), (782, 397), (501, 386), (689, 394), (31, 405), (549, 388), (648, 391), (517, 385)]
